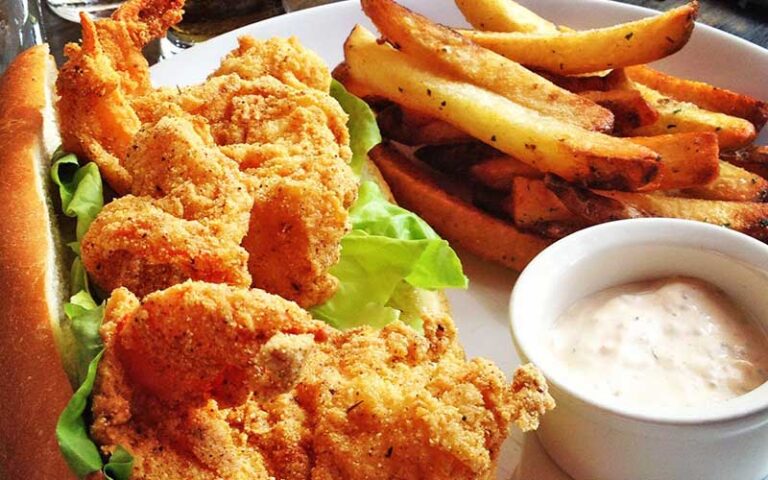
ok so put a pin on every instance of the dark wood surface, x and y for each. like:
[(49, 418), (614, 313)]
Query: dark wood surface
[(746, 18)]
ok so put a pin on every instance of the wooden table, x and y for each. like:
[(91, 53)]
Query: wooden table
[(749, 22)]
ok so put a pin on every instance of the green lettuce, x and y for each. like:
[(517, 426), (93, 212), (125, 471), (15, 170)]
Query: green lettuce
[(80, 190), (363, 129), (388, 247), (79, 451), (82, 197), (119, 465), (84, 318), (388, 250)]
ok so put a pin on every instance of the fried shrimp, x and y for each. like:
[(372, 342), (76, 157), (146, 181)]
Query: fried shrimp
[(259, 390), (266, 108), (294, 146), (123, 36), (188, 215), (190, 177), (133, 243), (286, 60), (294, 238), (96, 117), (102, 76), (193, 339)]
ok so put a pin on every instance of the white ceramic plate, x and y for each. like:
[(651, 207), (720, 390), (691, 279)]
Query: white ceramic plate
[(481, 311)]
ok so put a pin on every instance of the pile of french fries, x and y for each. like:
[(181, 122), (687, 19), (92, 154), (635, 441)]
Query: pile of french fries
[(510, 136)]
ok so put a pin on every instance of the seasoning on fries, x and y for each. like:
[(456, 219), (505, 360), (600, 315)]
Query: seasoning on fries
[(502, 159)]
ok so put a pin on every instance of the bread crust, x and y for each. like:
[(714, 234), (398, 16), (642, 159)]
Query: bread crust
[(34, 388), (33, 385)]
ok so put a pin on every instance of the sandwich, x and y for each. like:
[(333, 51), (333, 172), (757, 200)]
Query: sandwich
[(214, 282)]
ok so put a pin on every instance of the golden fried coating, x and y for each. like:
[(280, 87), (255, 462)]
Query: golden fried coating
[(96, 85), (267, 108), (190, 177), (193, 339), (261, 111), (294, 239), (95, 116), (294, 145), (285, 59), (133, 243), (133, 25), (359, 404)]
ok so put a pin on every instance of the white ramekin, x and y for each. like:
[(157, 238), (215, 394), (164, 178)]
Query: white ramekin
[(593, 439)]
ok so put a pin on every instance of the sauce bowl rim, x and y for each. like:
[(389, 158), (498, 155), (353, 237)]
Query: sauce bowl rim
[(627, 233)]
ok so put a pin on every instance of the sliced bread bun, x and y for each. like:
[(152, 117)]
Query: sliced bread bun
[(34, 388)]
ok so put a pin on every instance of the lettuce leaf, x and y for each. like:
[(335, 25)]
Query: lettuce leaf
[(79, 451), (388, 245), (80, 190), (363, 129), (84, 321), (119, 466), (82, 197), (388, 248)]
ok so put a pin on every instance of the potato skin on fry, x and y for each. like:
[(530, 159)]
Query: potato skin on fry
[(445, 49), (702, 94), (545, 143), (753, 159), (402, 126), (536, 209), (677, 117), (630, 110), (603, 206), (589, 205), (500, 172), (734, 184), (457, 221), (687, 159), (586, 51), (503, 16)]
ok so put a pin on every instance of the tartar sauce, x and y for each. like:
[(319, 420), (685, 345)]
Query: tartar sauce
[(672, 342)]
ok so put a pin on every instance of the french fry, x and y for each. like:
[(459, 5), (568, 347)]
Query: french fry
[(486, 165), (411, 128), (585, 51), (500, 172), (534, 208), (688, 159), (604, 206), (456, 158), (630, 110), (545, 143), (752, 159), (589, 205), (489, 200), (702, 94), (733, 183), (503, 16), (447, 50), (676, 117), (580, 83), (456, 220), (341, 75)]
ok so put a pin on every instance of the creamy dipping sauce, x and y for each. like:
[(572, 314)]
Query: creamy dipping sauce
[(672, 342)]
